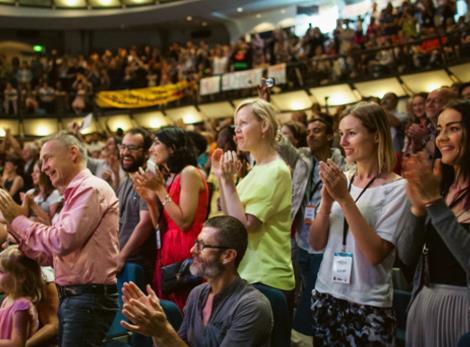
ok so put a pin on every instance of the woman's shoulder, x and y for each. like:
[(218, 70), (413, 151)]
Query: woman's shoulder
[(18, 178), (191, 170), (275, 168), (193, 174), (392, 184), (393, 178), (21, 304)]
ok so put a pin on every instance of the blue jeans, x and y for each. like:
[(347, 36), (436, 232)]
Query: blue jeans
[(85, 319), (308, 266)]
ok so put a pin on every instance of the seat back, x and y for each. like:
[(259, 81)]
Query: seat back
[(174, 316), (464, 341), (173, 313), (135, 273), (401, 299), (280, 336), (130, 272)]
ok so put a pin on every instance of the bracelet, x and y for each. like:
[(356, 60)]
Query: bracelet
[(166, 200)]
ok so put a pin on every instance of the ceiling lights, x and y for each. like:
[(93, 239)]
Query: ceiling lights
[(71, 3), (105, 3), (380, 87), (427, 81), (340, 94)]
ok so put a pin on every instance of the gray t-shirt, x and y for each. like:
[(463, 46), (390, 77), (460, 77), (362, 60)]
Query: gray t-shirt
[(241, 316), (130, 205)]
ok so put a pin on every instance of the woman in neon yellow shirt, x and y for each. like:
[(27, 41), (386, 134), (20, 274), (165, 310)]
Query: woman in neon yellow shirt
[(262, 199)]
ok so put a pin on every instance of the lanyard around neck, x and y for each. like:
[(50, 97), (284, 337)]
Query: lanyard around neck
[(345, 222), (313, 188)]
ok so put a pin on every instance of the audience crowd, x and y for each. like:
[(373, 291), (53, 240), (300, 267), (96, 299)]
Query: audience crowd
[(411, 36), (320, 210), (258, 233)]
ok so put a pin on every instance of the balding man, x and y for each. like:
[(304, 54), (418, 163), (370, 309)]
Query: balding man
[(436, 101), (82, 244)]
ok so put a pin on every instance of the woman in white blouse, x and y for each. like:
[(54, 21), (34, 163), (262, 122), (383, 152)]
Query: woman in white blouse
[(356, 227)]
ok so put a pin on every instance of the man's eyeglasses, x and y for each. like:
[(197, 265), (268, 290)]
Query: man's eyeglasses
[(132, 148), (200, 246)]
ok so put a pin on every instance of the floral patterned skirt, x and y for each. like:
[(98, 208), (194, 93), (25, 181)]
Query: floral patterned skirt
[(338, 322)]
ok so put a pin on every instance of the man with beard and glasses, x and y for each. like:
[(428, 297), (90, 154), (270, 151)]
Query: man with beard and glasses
[(224, 311), (136, 237)]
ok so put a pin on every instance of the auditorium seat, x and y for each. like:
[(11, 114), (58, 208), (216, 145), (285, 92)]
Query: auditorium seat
[(401, 299), (117, 336), (280, 337)]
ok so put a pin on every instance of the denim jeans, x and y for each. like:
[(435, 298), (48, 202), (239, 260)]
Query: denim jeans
[(85, 319), (308, 265)]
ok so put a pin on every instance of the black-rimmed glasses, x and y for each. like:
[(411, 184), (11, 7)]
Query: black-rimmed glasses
[(132, 148), (200, 246)]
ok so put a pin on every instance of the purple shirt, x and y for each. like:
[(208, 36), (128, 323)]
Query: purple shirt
[(82, 244)]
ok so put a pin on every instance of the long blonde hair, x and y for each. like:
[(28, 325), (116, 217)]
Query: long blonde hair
[(25, 274), (374, 119)]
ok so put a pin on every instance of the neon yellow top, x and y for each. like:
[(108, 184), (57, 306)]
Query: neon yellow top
[(266, 194)]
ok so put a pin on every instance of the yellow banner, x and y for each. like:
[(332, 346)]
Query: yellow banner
[(144, 97)]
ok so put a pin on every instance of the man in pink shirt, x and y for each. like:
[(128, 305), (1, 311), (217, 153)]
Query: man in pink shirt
[(82, 245)]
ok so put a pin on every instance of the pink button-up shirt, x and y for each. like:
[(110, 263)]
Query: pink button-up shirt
[(82, 244)]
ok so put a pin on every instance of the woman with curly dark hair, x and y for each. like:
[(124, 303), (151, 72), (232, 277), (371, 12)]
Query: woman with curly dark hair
[(183, 194)]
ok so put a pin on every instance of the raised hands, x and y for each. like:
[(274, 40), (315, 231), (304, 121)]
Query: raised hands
[(152, 181), (335, 184), (424, 181), (417, 133), (225, 165), (146, 194), (144, 311), (263, 90), (9, 208)]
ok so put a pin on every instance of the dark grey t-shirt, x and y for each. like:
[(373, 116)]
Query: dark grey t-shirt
[(130, 205), (241, 316)]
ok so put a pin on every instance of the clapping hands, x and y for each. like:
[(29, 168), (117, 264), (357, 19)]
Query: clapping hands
[(9, 208), (424, 181), (152, 181), (144, 311), (334, 182), (225, 165)]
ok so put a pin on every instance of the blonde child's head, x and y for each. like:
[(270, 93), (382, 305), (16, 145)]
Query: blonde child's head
[(21, 276)]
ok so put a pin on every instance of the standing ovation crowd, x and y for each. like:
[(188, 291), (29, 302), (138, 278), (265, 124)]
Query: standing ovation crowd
[(321, 225)]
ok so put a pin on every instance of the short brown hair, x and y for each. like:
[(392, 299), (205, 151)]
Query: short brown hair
[(231, 233)]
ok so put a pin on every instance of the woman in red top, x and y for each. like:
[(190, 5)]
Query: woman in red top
[(184, 198)]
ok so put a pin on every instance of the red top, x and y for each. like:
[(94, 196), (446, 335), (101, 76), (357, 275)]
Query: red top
[(177, 243)]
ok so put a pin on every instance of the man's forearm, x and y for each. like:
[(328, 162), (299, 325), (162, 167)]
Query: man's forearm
[(168, 337)]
